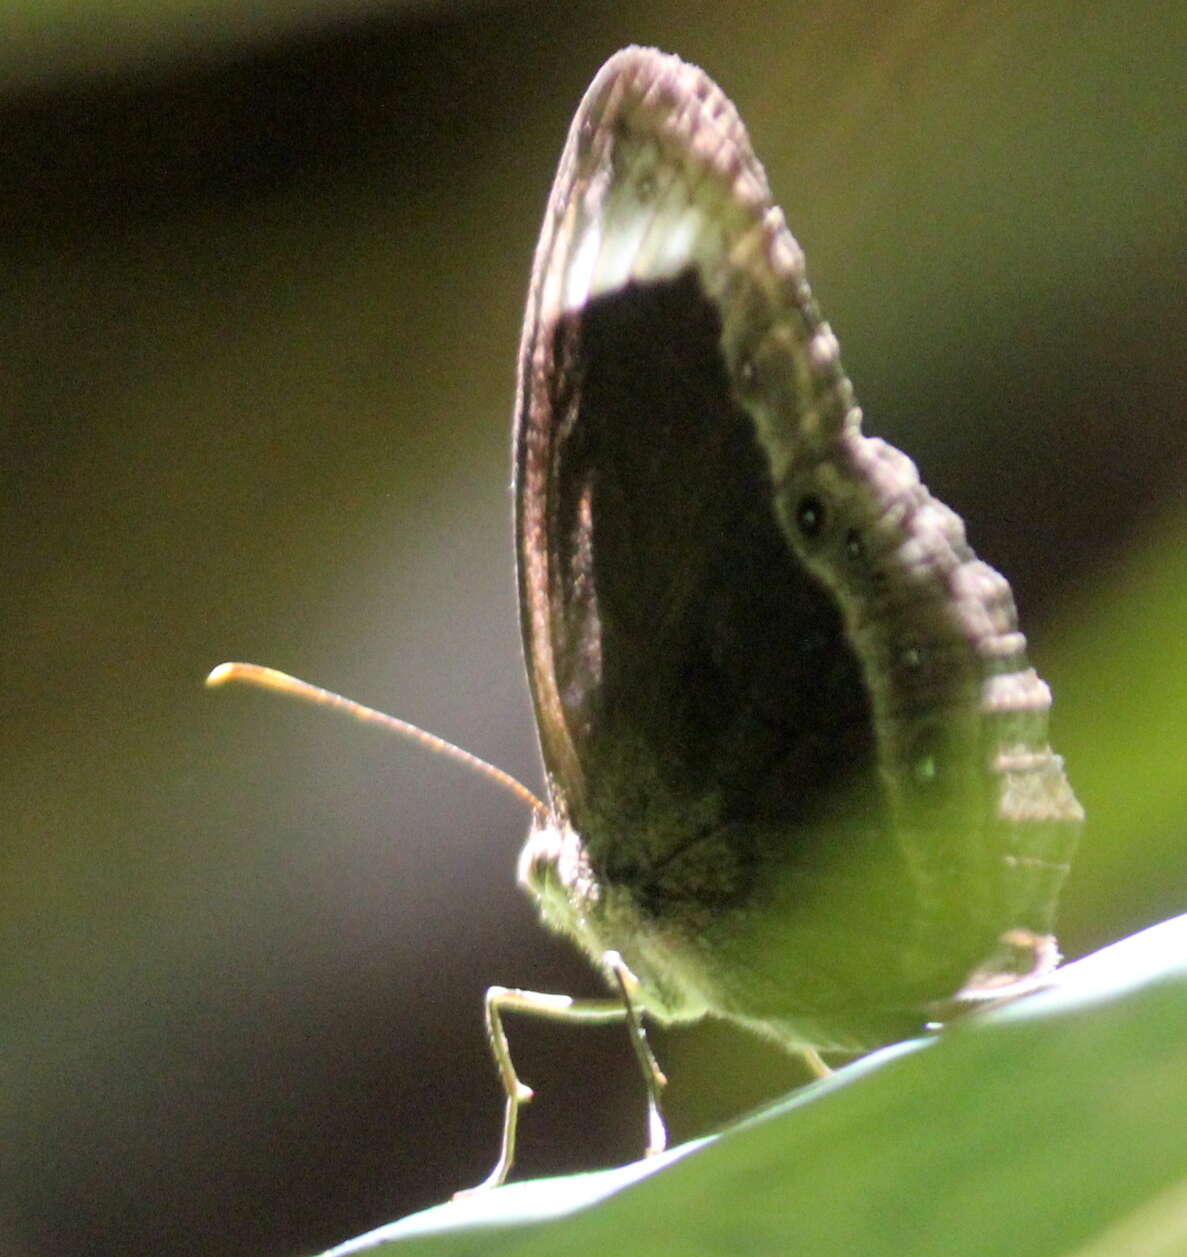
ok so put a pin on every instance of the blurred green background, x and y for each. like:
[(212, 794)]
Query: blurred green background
[(259, 307)]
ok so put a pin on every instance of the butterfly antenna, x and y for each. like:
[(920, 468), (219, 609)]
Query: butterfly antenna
[(282, 683)]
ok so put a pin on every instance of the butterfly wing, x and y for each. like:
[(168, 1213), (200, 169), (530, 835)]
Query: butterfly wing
[(797, 761)]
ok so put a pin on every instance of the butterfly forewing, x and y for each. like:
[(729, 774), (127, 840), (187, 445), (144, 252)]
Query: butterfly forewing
[(797, 762)]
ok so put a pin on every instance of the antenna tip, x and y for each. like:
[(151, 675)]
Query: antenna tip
[(221, 675)]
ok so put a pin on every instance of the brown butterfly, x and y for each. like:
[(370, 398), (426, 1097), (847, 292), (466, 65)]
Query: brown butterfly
[(797, 764)]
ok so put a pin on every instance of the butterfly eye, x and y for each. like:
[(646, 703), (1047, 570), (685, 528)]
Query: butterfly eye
[(537, 866), (809, 516)]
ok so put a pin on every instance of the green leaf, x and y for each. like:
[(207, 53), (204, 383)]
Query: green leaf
[(1054, 1125)]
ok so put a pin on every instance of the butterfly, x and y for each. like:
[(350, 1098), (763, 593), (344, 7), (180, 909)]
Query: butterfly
[(797, 765), (797, 769)]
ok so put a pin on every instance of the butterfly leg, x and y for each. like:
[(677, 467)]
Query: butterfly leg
[(653, 1077), (501, 999), (812, 1059)]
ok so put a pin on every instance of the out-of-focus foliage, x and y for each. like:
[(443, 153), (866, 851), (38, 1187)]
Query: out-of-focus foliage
[(46, 41)]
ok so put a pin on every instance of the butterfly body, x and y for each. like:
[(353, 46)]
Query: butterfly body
[(796, 759)]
